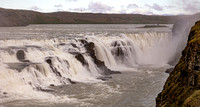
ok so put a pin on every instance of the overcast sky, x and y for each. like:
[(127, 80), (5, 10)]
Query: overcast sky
[(149, 7)]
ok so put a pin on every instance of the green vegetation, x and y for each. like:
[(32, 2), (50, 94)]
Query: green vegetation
[(11, 17), (182, 88), (46, 20), (193, 100)]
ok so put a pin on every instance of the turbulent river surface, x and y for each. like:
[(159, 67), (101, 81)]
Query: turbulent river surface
[(84, 65)]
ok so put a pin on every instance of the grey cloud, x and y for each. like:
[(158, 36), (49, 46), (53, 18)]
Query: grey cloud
[(59, 7), (96, 7), (149, 13), (123, 11), (132, 6), (190, 5), (35, 8), (99, 7), (146, 12), (169, 6), (155, 7)]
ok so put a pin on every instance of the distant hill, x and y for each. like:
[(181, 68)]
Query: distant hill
[(9, 17)]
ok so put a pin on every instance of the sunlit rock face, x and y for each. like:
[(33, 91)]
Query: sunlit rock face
[(182, 86)]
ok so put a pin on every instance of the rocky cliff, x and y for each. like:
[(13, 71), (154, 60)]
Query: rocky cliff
[(182, 87)]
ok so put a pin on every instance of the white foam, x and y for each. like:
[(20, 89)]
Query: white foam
[(148, 49)]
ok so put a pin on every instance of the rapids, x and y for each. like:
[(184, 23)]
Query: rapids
[(36, 59)]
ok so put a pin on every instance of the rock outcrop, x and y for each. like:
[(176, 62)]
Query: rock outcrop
[(182, 87), (90, 47), (90, 51), (21, 56)]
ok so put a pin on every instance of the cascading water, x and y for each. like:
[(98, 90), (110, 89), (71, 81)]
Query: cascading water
[(151, 48), (135, 50), (33, 66)]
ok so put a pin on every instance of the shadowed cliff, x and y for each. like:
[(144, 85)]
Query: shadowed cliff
[(182, 87), (11, 17)]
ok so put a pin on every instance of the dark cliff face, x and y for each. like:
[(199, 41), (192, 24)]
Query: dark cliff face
[(182, 87)]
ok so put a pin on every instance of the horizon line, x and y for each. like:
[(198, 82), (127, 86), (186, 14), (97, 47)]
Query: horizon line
[(82, 12)]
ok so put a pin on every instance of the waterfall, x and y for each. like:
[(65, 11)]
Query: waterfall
[(135, 50), (34, 65)]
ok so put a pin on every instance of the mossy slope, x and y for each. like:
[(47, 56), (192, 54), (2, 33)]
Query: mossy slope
[(182, 87)]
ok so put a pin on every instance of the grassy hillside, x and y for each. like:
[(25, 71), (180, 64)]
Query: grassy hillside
[(9, 17)]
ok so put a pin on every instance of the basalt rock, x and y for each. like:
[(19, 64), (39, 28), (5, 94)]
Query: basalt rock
[(21, 56), (5, 93), (182, 88), (83, 41), (49, 60), (70, 81), (169, 70), (80, 58), (104, 78), (74, 45), (90, 47), (119, 49)]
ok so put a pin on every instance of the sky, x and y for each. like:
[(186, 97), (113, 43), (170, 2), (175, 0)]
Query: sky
[(148, 7)]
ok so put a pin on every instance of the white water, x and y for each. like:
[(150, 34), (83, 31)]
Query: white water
[(125, 51), (140, 49)]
